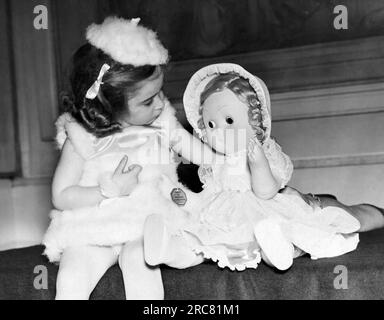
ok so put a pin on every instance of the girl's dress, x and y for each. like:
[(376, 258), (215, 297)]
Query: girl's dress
[(229, 212), (118, 220)]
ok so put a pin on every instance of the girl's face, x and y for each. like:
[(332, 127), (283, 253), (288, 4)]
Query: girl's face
[(147, 103), (226, 122)]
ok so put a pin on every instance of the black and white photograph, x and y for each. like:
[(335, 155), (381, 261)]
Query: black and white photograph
[(209, 152)]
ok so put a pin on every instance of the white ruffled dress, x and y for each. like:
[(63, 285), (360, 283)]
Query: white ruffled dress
[(229, 211)]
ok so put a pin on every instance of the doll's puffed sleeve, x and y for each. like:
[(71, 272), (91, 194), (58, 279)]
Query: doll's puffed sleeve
[(281, 165), (82, 141)]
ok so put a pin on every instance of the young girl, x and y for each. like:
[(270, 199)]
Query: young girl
[(242, 217), (113, 122)]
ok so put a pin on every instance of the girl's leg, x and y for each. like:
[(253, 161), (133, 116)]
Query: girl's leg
[(80, 270), (369, 216), (164, 248), (141, 281)]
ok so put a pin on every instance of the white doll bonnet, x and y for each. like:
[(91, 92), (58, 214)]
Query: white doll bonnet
[(127, 42), (200, 79)]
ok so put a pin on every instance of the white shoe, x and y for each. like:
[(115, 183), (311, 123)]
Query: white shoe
[(156, 239), (275, 246)]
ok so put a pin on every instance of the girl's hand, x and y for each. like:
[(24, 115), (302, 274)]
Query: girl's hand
[(122, 182), (126, 179), (255, 151)]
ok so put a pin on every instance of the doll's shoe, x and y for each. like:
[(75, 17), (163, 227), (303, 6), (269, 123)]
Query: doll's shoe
[(339, 220), (277, 250), (156, 239)]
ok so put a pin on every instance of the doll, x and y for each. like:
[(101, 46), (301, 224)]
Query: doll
[(240, 217)]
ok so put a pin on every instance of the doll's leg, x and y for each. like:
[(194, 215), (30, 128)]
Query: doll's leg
[(297, 254), (80, 270), (163, 248), (141, 281), (276, 249)]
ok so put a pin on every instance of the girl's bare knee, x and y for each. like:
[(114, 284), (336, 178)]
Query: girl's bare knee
[(72, 286), (131, 254)]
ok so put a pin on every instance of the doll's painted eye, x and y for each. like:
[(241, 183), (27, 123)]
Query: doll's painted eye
[(211, 124), (229, 120)]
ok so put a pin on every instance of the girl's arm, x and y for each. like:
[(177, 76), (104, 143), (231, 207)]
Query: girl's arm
[(66, 193), (264, 184), (192, 149)]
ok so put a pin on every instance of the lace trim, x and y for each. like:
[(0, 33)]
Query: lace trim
[(223, 261)]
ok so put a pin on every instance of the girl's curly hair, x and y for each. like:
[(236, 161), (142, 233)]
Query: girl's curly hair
[(244, 91), (101, 115)]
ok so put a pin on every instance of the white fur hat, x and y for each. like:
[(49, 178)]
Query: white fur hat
[(127, 42), (200, 79)]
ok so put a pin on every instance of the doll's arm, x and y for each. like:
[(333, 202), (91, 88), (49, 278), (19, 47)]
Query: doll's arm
[(265, 184), (192, 149)]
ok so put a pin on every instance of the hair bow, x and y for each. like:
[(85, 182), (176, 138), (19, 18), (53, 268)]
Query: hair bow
[(94, 90)]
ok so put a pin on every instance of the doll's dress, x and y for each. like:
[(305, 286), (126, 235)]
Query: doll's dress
[(230, 211), (117, 220)]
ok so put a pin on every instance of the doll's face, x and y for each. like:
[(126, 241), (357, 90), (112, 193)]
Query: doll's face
[(226, 121)]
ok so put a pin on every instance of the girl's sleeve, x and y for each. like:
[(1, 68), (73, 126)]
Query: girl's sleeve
[(82, 141), (182, 142), (281, 165)]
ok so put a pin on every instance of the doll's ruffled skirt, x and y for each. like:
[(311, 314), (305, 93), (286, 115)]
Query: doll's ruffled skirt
[(225, 232)]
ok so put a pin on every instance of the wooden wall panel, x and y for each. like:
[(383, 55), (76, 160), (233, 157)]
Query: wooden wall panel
[(333, 141), (7, 216), (351, 184), (8, 150), (295, 69), (328, 102), (35, 88), (70, 20)]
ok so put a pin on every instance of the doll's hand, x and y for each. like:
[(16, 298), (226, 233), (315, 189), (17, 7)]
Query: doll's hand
[(255, 151), (121, 182)]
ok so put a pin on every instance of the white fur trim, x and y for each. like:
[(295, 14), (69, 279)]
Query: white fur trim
[(68, 128), (200, 79), (127, 42), (113, 222)]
